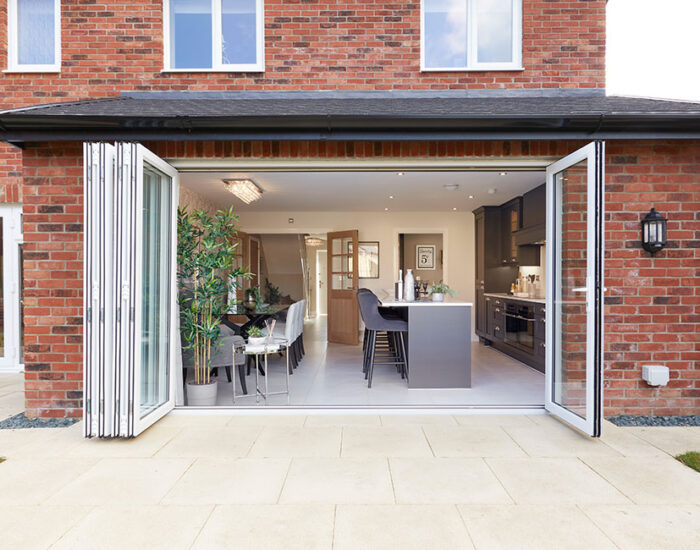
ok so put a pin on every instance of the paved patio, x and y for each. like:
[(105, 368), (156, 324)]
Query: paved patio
[(350, 482)]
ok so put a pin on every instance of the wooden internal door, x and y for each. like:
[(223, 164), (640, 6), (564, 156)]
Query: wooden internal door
[(343, 311)]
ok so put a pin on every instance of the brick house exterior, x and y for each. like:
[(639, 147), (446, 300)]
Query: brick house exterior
[(653, 303)]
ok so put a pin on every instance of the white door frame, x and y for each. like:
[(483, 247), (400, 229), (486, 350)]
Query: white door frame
[(321, 280), (594, 153), (144, 156), (11, 215)]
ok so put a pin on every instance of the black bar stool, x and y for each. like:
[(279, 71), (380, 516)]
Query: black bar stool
[(392, 351)]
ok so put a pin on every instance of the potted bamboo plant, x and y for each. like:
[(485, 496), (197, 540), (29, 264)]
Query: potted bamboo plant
[(206, 256)]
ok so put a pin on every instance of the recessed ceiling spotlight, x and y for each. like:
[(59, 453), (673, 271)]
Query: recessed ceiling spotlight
[(454, 208), (399, 173), (451, 186), (492, 191), (503, 174), (391, 196), (386, 209), (471, 196)]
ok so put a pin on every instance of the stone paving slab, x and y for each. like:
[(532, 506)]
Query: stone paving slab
[(324, 482)]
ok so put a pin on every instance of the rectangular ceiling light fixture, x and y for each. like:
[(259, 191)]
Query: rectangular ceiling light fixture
[(245, 189)]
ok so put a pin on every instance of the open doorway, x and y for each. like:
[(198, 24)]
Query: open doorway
[(423, 255), (426, 343), (421, 220)]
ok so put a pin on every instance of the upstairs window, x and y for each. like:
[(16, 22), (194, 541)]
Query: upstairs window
[(34, 35), (214, 35), (460, 35)]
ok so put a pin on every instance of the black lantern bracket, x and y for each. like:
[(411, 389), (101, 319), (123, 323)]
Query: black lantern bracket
[(653, 231)]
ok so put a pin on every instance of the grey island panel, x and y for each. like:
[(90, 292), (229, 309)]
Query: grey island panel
[(439, 346)]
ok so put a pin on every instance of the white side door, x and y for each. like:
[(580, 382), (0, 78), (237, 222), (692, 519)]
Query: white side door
[(131, 199), (575, 245), (11, 357)]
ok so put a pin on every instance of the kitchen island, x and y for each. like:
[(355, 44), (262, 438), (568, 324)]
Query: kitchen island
[(439, 342)]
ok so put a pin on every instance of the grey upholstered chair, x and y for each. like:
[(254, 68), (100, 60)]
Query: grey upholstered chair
[(395, 351)]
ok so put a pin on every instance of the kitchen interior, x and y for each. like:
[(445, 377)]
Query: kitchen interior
[(510, 276)]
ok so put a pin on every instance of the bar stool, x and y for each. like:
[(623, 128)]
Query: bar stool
[(392, 354)]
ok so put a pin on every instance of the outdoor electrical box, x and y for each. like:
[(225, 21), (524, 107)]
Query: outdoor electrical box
[(655, 375)]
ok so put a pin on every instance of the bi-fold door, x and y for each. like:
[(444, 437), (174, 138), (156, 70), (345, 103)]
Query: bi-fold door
[(131, 199), (575, 245)]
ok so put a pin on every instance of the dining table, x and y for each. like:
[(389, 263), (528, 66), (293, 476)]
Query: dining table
[(257, 316)]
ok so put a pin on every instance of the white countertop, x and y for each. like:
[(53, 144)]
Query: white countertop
[(392, 302), (511, 297)]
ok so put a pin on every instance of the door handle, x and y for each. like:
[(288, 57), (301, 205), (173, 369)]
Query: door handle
[(579, 289)]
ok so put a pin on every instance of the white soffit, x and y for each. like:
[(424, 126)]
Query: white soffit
[(318, 191)]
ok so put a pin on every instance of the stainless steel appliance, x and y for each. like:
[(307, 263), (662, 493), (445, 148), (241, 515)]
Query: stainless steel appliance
[(520, 326)]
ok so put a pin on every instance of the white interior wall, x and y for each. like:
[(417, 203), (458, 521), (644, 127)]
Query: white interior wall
[(194, 201)]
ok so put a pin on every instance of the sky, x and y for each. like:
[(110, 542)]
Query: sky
[(653, 48)]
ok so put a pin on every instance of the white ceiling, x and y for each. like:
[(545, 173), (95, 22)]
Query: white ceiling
[(365, 191)]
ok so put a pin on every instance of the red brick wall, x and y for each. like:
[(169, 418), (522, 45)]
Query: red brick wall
[(115, 45), (10, 174), (653, 311), (53, 283)]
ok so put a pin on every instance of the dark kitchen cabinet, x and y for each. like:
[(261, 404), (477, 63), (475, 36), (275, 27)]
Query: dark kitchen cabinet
[(521, 343), (482, 305), (528, 255), (535, 206), (487, 230), (496, 318), (540, 321), (540, 335), (511, 221)]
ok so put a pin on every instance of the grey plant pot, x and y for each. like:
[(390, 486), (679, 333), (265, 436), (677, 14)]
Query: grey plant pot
[(201, 395), (438, 297)]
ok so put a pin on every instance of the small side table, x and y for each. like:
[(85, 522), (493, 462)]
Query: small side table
[(276, 345)]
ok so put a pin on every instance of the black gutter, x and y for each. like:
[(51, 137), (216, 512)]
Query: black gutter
[(20, 127)]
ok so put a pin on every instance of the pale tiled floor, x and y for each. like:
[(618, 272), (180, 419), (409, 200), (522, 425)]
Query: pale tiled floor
[(350, 482), (331, 374)]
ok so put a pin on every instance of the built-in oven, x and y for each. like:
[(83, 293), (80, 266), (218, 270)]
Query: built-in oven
[(520, 326)]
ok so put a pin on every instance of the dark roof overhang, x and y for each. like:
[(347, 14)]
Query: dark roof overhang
[(171, 116)]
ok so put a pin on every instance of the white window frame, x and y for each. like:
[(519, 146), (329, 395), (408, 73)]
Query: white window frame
[(13, 65), (472, 41), (216, 37)]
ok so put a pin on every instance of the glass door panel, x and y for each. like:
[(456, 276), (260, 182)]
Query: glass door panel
[(10, 288), (156, 276), (570, 289), (574, 288), (155, 247)]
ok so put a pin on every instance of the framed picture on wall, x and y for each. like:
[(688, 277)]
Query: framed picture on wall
[(368, 260), (425, 256)]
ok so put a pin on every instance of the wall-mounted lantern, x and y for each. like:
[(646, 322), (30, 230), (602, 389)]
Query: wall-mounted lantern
[(653, 231)]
